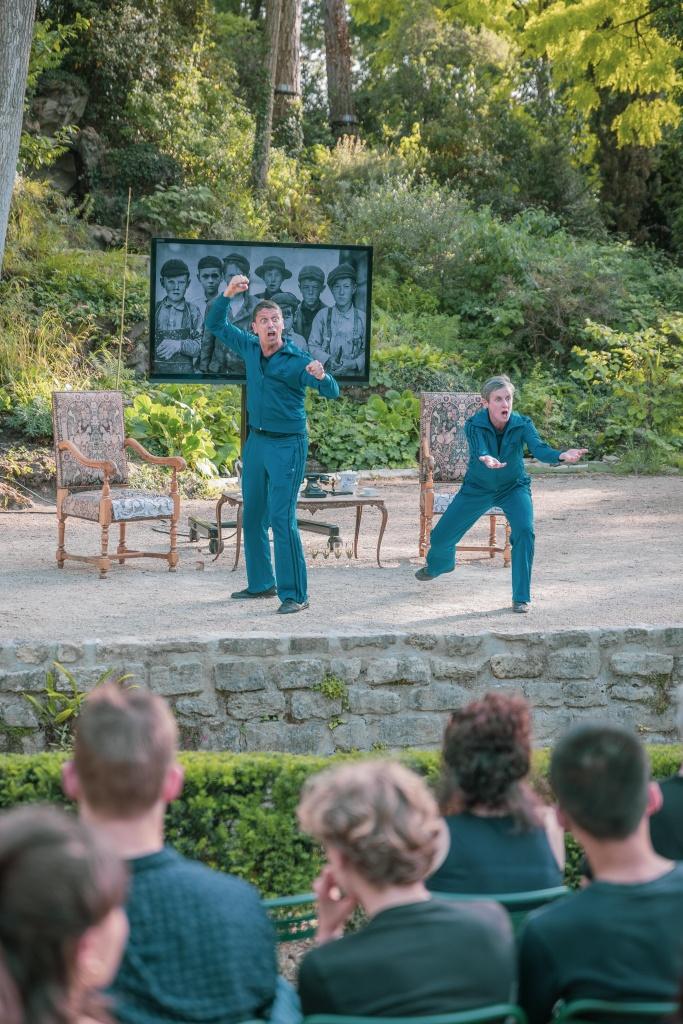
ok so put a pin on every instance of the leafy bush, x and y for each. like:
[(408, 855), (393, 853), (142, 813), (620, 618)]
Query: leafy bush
[(237, 811), (379, 432), (201, 423)]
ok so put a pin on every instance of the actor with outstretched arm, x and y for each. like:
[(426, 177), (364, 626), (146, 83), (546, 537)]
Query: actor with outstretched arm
[(496, 476), (274, 456)]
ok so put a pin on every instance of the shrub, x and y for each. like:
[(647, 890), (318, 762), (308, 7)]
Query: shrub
[(237, 811), (379, 432)]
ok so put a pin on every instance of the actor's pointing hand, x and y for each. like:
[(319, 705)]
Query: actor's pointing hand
[(573, 454), (238, 283), (316, 369)]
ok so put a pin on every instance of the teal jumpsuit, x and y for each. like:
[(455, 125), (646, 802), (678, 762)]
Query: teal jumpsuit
[(482, 488), (274, 456)]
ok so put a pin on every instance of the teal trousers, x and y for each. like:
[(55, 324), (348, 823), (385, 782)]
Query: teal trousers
[(468, 505), (273, 469)]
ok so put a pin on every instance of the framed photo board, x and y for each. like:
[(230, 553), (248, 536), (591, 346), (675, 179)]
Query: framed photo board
[(324, 292)]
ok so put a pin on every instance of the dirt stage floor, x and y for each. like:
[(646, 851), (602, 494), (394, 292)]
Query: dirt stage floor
[(608, 553)]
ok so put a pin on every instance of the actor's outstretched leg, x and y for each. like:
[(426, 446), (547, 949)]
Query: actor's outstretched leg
[(286, 464), (462, 513), (518, 508), (256, 515)]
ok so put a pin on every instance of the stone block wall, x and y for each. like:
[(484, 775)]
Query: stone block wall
[(339, 693)]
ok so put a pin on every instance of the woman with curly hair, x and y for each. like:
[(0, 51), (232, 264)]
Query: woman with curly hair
[(503, 839), (382, 834), (62, 923)]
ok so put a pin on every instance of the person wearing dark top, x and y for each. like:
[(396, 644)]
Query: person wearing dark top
[(502, 839), (274, 458), (201, 948), (417, 955), (496, 476), (620, 938), (666, 824)]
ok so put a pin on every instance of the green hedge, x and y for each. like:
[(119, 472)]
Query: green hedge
[(237, 811)]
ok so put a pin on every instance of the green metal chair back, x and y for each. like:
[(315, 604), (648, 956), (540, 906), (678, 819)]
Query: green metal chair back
[(517, 904), (501, 1013), (602, 1011), (294, 917)]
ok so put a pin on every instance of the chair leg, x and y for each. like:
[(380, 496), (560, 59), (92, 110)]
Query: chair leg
[(104, 561), (61, 551), (173, 553), (121, 549), (492, 536), (507, 550), (422, 544)]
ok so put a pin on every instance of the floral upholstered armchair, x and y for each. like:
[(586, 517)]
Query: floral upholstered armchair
[(444, 454), (92, 476)]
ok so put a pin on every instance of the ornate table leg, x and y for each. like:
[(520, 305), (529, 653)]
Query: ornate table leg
[(385, 515), (238, 535), (359, 516), (219, 525)]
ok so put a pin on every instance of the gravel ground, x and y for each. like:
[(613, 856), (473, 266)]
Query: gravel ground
[(608, 553)]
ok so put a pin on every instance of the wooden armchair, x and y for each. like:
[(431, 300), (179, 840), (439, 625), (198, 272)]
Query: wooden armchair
[(92, 476), (444, 454)]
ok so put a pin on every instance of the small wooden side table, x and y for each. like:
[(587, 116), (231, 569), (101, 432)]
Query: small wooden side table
[(311, 505)]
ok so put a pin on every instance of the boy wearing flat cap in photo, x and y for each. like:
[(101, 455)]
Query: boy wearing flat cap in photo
[(273, 272), (177, 323), (339, 332), (311, 284)]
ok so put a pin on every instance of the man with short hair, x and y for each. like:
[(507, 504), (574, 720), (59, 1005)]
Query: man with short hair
[(216, 359), (201, 947), (620, 938), (177, 323), (274, 457), (338, 332), (289, 303), (311, 284)]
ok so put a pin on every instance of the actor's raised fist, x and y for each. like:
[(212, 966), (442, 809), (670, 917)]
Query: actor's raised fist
[(238, 283), (316, 369)]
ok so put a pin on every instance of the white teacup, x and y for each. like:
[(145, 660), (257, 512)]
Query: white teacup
[(348, 480)]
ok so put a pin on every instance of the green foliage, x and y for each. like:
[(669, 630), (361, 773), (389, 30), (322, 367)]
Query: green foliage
[(58, 709), (632, 382), (334, 689), (237, 812), (201, 423), (379, 432)]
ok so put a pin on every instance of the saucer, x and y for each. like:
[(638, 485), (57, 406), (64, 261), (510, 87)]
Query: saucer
[(368, 492)]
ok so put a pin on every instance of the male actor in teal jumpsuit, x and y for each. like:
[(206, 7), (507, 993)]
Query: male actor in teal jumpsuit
[(496, 477), (274, 457)]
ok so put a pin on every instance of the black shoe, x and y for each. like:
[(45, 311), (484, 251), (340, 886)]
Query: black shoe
[(242, 595), (289, 606), (424, 574)]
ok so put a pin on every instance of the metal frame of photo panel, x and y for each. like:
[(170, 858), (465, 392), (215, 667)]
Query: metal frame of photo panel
[(221, 366)]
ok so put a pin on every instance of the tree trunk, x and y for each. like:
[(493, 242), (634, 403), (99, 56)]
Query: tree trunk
[(287, 126), (264, 119), (343, 119), (16, 32)]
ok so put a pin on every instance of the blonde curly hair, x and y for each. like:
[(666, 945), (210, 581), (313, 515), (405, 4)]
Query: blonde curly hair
[(380, 815)]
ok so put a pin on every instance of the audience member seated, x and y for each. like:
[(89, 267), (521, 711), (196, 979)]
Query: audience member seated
[(666, 825), (201, 947), (502, 838), (621, 936), (62, 923), (381, 831)]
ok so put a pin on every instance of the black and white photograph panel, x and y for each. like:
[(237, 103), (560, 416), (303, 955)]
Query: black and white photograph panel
[(324, 293)]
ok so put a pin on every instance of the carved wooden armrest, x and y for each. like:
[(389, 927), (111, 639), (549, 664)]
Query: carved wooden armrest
[(175, 461), (427, 463), (107, 467)]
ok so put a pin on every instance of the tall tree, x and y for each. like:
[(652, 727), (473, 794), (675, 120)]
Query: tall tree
[(16, 30), (287, 113), (264, 117), (343, 120)]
